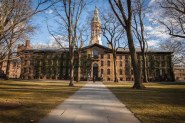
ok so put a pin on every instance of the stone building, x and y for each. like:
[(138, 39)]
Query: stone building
[(96, 60), (15, 69), (179, 71)]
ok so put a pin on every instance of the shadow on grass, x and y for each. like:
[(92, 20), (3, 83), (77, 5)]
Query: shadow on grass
[(159, 102), (173, 83), (35, 99)]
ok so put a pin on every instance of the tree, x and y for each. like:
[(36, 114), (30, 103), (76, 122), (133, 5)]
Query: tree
[(113, 33), (14, 23), (177, 47), (82, 38), (125, 19), (69, 13), (139, 32), (173, 17)]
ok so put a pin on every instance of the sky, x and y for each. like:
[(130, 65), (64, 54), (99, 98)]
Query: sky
[(155, 33), (42, 36)]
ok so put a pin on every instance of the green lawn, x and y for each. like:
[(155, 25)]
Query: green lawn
[(25, 101), (158, 103)]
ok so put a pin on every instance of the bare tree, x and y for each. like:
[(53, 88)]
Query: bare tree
[(69, 13), (173, 17), (113, 32), (124, 15), (82, 38), (139, 32), (14, 23), (177, 47), (16, 12)]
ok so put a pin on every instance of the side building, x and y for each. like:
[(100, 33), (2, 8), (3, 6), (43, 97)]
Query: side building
[(15, 69), (179, 71)]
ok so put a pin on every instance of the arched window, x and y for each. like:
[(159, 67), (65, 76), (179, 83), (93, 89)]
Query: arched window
[(95, 65)]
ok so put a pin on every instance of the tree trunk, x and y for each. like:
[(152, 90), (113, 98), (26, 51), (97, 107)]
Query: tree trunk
[(71, 51), (71, 66), (145, 76), (1, 65), (8, 66), (171, 69), (137, 76), (115, 67), (79, 68)]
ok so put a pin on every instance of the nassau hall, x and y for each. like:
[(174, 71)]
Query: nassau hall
[(96, 60)]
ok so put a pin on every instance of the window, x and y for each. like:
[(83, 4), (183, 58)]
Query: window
[(101, 71), (24, 70), (120, 57), (14, 64), (120, 63), (158, 57), (126, 57), (29, 70), (157, 72), (168, 64), (108, 63), (101, 63), (101, 56), (108, 56), (163, 64), (163, 57), (25, 62), (163, 72), (149, 64), (108, 71), (132, 72), (89, 55), (120, 72)]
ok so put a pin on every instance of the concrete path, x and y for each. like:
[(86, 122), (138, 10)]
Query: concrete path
[(93, 103)]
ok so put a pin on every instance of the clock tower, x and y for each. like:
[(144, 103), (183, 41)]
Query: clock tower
[(95, 28)]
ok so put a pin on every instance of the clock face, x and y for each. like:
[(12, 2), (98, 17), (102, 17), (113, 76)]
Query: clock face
[(95, 52)]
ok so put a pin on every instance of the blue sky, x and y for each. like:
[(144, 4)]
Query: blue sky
[(42, 36)]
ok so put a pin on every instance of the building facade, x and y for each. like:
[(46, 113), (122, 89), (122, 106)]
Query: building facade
[(96, 60)]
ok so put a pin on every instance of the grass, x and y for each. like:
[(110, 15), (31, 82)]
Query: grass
[(158, 103), (29, 101)]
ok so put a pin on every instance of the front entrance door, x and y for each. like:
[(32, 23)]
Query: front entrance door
[(95, 71)]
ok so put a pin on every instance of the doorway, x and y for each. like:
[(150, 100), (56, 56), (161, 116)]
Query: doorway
[(95, 71)]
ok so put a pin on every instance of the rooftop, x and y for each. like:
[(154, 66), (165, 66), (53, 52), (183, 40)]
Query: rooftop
[(120, 50)]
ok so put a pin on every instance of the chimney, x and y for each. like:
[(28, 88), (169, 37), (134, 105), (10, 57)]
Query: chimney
[(27, 44), (20, 47)]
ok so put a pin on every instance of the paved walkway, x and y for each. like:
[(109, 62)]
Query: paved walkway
[(93, 103)]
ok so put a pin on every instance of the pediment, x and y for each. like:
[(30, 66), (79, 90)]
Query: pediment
[(98, 46)]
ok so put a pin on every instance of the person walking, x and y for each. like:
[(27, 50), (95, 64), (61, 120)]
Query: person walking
[(94, 78), (88, 77)]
